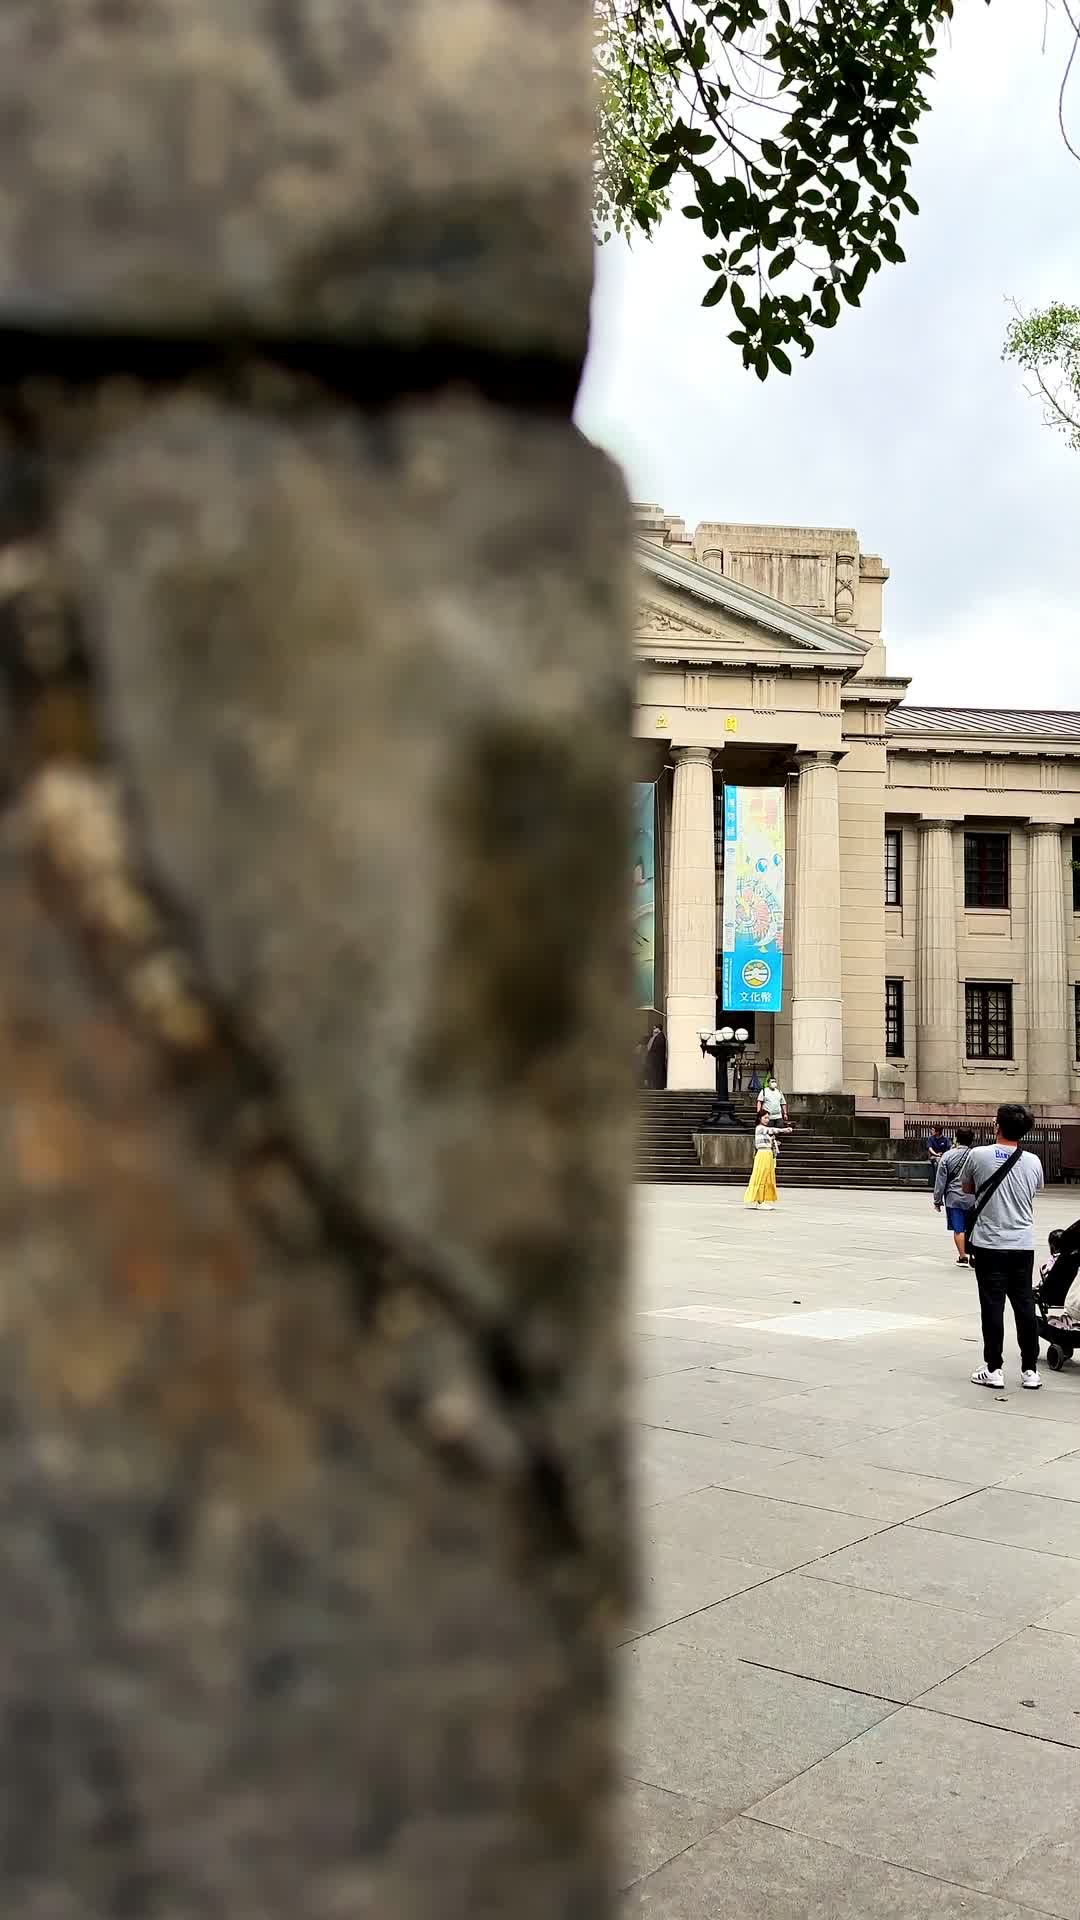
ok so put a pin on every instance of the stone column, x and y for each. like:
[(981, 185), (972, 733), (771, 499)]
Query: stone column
[(1048, 1039), (691, 946), (937, 1039), (816, 1006)]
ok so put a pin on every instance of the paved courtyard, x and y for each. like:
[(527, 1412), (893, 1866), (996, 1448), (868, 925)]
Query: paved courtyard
[(853, 1682)]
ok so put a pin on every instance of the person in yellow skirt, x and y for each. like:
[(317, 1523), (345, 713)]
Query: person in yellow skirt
[(761, 1191)]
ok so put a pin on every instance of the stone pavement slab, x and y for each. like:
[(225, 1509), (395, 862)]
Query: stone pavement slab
[(1064, 1619), (669, 1463), (980, 1446), (1060, 1479), (697, 1403), (770, 1533), (655, 1825), (811, 1432), (1048, 1876), (844, 1486), (654, 1357), (1008, 1583), (867, 1642), (1030, 1684), (683, 1572), (965, 1803), (747, 1871), (704, 1724), (1014, 1519)]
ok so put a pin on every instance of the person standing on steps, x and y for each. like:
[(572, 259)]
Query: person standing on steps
[(771, 1105), (949, 1192), (1003, 1181)]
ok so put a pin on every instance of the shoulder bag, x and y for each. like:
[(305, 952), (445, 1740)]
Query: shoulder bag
[(985, 1192)]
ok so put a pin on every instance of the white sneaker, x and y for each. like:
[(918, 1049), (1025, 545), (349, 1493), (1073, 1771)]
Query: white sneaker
[(1030, 1378), (988, 1377), (768, 1206)]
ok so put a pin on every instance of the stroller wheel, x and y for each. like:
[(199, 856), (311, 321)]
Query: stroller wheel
[(1057, 1357)]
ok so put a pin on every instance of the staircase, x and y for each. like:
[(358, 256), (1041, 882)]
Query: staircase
[(666, 1153)]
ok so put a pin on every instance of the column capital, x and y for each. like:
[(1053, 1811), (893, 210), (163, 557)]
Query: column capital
[(806, 762), (927, 821), (693, 756), (1045, 826)]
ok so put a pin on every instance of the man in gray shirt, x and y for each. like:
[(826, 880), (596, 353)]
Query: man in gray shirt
[(1002, 1245)]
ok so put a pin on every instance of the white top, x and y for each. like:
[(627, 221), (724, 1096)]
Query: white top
[(773, 1102), (764, 1139)]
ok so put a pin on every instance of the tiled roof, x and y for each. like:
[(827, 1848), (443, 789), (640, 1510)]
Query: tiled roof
[(998, 723)]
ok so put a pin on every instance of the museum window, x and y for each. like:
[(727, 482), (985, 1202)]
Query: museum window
[(986, 869), (894, 867), (1076, 871), (989, 1020), (1076, 1023), (894, 1019)]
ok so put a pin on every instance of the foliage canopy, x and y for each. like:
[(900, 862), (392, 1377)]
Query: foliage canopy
[(785, 127)]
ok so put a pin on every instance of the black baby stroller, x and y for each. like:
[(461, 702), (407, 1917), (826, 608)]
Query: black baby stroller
[(1050, 1294)]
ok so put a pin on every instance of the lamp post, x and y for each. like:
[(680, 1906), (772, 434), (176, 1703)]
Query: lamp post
[(727, 1044)]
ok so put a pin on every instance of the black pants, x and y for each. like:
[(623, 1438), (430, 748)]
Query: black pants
[(1007, 1276)]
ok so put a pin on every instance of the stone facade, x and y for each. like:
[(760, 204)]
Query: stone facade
[(930, 855)]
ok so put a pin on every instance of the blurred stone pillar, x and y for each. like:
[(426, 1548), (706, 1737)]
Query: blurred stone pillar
[(1049, 1042), (313, 1056), (937, 1039)]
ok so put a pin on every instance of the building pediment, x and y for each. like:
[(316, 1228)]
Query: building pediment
[(690, 612)]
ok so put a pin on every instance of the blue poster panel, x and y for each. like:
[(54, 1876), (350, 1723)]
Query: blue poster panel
[(643, 922), (753, 935)]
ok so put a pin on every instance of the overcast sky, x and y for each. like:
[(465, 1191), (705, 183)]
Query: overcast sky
[(904, 424)]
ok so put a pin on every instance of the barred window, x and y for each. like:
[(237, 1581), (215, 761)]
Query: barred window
[(894, 1019), (894, 867), (989, 1011), (986, 869), (1076, 1023), (1076, 871)]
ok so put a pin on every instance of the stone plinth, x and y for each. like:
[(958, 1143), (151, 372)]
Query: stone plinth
[(725, 1149)]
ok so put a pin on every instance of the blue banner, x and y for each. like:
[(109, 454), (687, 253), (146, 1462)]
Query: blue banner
[(753, 932), (644, 906)]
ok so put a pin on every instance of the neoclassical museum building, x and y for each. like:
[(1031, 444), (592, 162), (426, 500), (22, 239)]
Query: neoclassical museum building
[(931, 877)]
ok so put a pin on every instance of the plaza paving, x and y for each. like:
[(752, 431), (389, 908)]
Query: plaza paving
[(852, 1685)]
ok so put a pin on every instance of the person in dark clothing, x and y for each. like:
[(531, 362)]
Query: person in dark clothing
[(655, 1060)]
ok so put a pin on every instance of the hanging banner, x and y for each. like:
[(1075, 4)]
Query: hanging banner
[(643, 923), (753, 938)]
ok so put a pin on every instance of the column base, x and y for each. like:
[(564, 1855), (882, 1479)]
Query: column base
[(1049, 1054), (817, 1045), (937, 1079), (689, 1015)]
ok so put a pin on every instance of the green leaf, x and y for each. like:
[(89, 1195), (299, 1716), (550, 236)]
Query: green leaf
[(779, 359), (770, 153), (716, 292), (782, 262), (662, 174)]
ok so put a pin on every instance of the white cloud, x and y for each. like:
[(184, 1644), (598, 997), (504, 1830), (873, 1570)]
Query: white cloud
[(904, 423)]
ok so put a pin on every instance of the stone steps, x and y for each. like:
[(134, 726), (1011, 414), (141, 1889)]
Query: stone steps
[(665, 1152)]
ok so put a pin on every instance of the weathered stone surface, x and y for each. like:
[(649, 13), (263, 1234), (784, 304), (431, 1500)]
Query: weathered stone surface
[(405, 172), (311, 1502)]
